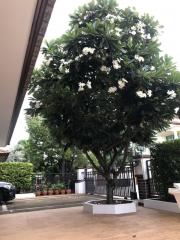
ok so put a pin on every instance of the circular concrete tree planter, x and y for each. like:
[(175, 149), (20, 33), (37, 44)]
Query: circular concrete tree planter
[(98, 207)]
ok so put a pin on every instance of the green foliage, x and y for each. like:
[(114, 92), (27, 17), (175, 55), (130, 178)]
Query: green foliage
[(165, 158), (46, 154), (60, 186), (17, 173)]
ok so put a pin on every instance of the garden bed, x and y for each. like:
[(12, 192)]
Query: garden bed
[(118, 207)]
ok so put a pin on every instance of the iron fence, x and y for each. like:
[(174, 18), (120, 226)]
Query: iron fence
[(124, 185), (40, 180), (68, 179)]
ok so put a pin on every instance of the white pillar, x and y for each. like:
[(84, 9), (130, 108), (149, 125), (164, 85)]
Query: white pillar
[(80, 187), (175, 135)]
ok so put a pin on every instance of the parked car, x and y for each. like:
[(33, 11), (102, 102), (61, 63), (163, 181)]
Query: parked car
[(7, 191)]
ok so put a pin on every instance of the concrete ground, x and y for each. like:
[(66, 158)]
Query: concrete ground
[(73, 224)]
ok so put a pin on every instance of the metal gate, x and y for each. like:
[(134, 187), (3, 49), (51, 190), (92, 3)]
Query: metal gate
[(152, 192), (125, 184)]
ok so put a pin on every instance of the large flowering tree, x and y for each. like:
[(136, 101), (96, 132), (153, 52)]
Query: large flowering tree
[(105, 84)]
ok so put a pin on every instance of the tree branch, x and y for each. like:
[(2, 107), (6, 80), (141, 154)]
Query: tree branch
[(92, 163), (100, 159), (123, 161), (113, 158)]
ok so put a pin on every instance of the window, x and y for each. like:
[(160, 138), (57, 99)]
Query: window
[(170, 138)]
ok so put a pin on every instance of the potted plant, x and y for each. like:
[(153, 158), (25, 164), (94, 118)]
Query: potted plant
[(44, 190), (55, 189), (68, 190), (50, 190), (58, 188), (62, 187)]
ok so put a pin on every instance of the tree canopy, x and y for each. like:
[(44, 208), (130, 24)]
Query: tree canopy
[(105, 83)]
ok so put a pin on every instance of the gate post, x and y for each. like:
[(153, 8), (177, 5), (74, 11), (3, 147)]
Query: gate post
[(80, 187)]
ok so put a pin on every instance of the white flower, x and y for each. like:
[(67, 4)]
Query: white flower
[(78, 57), (105, 69), (140, 25), (133, 32), (111, 20), (88, 84), (110, 16), (112, 89), (66, 70), (149, 93), (81, 86), (139, 58), (116, 64), (176, 109), (87, 50), (133, 28), (141, 94), (118, 34), (171, 94), (122, 83), (148, 36), (152, 68)]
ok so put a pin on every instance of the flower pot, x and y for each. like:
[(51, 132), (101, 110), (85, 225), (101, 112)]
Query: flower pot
[(68, 191), (63, 191), (38, 193), (50, 191), (44, 192), (56, 191)]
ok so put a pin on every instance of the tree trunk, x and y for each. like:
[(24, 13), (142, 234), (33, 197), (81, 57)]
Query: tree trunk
[(109, 190)]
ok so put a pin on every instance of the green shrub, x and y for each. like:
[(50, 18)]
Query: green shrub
[(165, 158), (18, 173)]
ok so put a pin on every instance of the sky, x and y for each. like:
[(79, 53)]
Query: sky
[(165, 11)]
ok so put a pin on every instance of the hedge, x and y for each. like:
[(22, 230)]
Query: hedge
[(18, 173), (165, 159)]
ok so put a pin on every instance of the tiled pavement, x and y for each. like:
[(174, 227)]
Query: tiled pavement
[(73, 224)]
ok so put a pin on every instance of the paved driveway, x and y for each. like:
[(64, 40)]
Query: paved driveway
[(46, 202), (73, 224)]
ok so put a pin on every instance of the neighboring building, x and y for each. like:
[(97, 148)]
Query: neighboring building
[(141, 170), (23, 26), (172, 133)]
